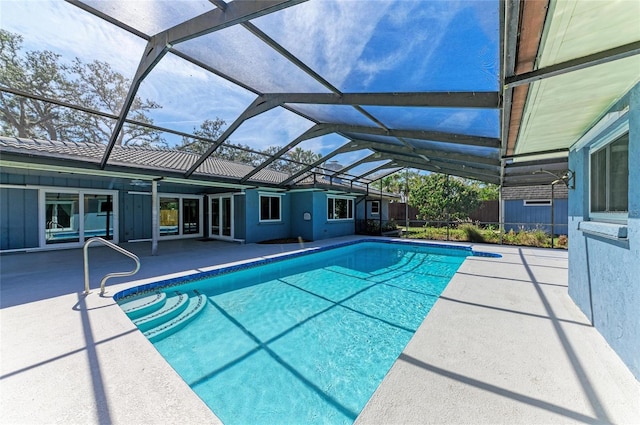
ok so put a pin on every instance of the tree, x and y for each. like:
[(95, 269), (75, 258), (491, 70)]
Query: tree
[(487, 191), (212, 130), (301, 157), (209, 129), (94, 86), (38, 73), (438, 199), (397, 182)]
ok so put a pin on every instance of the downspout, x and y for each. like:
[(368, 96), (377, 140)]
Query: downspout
[(380, 208), (366, 218), (448, 214), (500, 214), (155, 223), (406, 203), (552, 217)]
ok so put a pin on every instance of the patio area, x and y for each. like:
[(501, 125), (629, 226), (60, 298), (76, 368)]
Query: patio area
[(503, 344)]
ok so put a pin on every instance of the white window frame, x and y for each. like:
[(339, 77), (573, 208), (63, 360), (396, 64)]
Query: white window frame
[(270, 195), (376, 210), (613, 136), (180, 197), (350, 211), (42, 213)]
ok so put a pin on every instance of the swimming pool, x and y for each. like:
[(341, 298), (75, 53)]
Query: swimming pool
[(302, 340)]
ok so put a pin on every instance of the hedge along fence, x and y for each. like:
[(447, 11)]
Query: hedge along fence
[(528, 234)]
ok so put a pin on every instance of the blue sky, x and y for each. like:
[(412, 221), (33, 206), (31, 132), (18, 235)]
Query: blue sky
[(377, 45)]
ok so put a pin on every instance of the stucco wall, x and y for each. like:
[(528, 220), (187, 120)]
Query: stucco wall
[(257, 231), (604, 273), (301, 203), (323, 227)]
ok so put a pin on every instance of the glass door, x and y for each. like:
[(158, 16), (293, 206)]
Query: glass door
[(73, 216), (221, 213), (98, 216), (190, 216), (180, 215), (225, 216), (61, 217), (215, 217)]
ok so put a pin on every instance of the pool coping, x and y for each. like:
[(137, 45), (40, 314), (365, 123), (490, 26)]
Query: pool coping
[(256, 262), (503, 344)]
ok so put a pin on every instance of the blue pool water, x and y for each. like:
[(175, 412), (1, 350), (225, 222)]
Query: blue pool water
[(309, 339)]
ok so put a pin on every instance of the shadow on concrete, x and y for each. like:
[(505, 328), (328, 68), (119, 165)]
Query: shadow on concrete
[(587, 387), (501, 391), (506, 310)]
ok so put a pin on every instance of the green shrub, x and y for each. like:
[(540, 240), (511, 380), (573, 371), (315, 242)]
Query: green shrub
[(473, 233)]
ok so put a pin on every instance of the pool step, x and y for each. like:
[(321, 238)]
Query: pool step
[(142, 305), (195, 305), (173, 306)]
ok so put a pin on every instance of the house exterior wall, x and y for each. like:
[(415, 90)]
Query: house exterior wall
[(603, 271), (301, 203), (257, 231), (19, 210), (293, 223), (19, 207), (136, 217), (517, 215), (325, 228), (240, 217), (18, 223)]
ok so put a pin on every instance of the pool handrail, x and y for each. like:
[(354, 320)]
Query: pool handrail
[(109, 275)]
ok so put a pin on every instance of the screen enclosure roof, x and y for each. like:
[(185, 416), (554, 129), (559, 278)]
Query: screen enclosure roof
[(492, 90)]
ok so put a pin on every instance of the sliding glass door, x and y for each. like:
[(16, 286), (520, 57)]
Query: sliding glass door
[(73, 216)]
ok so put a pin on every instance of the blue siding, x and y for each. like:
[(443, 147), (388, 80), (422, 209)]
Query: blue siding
[(239, 217), (135, 220), (18, 218), (517, 216), (603, 273)]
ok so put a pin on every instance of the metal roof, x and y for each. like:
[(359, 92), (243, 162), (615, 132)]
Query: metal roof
[(470, 88), (135, 162)]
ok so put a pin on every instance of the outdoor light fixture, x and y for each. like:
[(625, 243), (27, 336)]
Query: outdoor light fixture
[(568, 178)]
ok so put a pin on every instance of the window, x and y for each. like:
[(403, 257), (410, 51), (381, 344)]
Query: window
[(375, 207), (609, 185), (339, 208), (269, 208)]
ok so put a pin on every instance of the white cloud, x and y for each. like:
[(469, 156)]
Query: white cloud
[(329, 36), (65, 29)]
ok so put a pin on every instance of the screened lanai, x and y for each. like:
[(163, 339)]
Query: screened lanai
[(489, 90)]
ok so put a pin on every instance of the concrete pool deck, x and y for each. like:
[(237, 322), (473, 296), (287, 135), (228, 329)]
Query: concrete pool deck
[(503, 344)]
